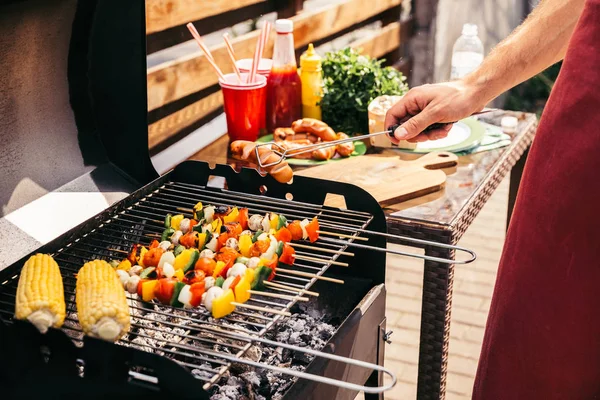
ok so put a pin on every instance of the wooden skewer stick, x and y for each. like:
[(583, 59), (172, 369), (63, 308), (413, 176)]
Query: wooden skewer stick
[(303, 246), (277, 295), (188, 210), (263, 309), (343, 235), (320, 260), (119, 251), (291, 288), (308, 275)]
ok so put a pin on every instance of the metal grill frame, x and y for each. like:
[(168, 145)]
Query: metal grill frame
[(247, 180)]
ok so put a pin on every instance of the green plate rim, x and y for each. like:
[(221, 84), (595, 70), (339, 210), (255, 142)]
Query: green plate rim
[(477, 134), (360, 149)]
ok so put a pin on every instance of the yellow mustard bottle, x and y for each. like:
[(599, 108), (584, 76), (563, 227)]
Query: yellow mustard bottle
[(312, 83)]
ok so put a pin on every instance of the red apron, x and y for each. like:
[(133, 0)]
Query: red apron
[(542, 339)]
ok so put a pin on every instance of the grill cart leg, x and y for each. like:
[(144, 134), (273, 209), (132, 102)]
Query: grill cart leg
[(435, 325), (376, 378)]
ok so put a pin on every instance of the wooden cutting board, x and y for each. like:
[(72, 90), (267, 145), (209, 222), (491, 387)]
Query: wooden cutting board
[(389, 179)]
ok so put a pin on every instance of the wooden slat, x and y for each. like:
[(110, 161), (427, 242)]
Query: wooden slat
[(164, 14), (175, 79), (381, 42), (165, 128), (375, 45)]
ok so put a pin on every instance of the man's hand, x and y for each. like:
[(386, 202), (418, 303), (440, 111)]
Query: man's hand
[(429, 104)]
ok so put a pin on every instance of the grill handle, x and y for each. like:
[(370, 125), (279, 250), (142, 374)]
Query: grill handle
[(304, 375)]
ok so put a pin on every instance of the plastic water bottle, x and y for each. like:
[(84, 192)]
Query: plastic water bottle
[(467, 52)]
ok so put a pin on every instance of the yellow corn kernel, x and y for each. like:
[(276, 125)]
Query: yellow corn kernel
[(40, 296), (101, 302)]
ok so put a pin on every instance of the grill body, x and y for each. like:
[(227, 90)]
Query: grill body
[(113, 369)]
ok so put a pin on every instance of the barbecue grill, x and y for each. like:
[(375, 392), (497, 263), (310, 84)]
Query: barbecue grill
[(170, 351)]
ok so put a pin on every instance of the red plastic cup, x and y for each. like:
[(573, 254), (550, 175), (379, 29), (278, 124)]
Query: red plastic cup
[(264, 66), (245, 106)]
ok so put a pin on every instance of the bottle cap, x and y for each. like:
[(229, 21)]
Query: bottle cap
[(469, 30), (310, 60), (509, 122), (284, 26)]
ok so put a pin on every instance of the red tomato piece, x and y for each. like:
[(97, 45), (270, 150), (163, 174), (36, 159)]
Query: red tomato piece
[(206, 265), (189, 240), (244, 218), (289, 255), (197, 290), (295, 229), (132, 257), (312, 229), (194, 276), (155, 243), (152, 257), (283, 235), (164, 290), (259, 247), (234, 229), (193, 223)]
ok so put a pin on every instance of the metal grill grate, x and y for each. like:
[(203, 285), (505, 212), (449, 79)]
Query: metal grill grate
[(190, 336)]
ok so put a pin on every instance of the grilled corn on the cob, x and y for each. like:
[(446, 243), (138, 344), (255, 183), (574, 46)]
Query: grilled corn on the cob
[(101, 302), (40, 297)]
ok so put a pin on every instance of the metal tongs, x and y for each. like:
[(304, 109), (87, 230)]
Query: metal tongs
[(287, 153)]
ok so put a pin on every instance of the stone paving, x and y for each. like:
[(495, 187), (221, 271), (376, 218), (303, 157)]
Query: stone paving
[(473, 286)]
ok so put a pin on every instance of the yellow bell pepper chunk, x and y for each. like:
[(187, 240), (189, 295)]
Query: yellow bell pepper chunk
[(182, 259), (274, 221), (242, 293), (218, 269), (233, 216), (222, 306), (176, 221), (216, 225), (201, 240), (198, 206), (125, 265), (245, 243), (148, 290), (143, 252), (179, 275)]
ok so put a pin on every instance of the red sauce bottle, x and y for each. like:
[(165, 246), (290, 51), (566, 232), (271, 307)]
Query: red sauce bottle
[(284, 89)]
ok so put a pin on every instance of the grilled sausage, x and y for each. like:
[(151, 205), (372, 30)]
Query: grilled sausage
[(344, 149), (325, 153), (244, 150), (316, 127), (282, 134), (290, 145)]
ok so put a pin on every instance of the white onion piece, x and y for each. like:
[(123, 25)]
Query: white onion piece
[(237, 269), (185, 296), (228, 282), (167, 257), (303, 225), (212, 245), (263, 236), (165, 245), (168, 270), (209, 213), (266, 223)]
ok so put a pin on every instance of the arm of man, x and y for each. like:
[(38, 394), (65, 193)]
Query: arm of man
[(539, 42)]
